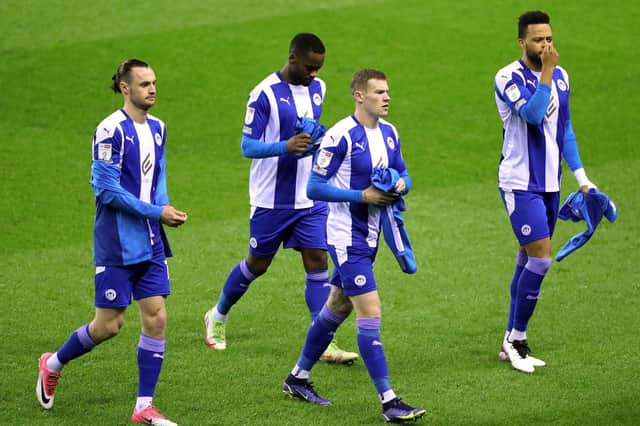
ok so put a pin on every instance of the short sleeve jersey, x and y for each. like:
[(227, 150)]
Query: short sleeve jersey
[(347, 156), (272, 110), (531, 153)]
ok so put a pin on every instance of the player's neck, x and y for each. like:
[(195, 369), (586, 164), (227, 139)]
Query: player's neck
[(367, 120), (138, 115), (284, 74), (531, 65)]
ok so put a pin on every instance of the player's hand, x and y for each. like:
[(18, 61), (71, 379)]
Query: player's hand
[(549, 56), (401, 186), (374, 196), (585, 188), (298, 143), (172, 217)]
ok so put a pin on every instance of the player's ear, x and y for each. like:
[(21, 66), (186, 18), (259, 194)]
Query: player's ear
[(357, 95), (124, 88), (293, 58), (522, 43)]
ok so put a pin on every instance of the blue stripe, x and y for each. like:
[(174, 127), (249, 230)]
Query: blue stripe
[(315, 88), (285, 191), (536, 147)]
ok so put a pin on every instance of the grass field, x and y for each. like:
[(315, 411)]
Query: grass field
[(441, 327)]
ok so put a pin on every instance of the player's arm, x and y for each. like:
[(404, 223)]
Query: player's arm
[(572, 157), (531, 107), (318, 188), (162, 195), (255, 124), (397, 162), (326, 163), (534, 109), (169, 216), (404, 183), (105, 179)]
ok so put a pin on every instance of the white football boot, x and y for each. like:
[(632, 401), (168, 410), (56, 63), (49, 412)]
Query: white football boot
[(504, 354)]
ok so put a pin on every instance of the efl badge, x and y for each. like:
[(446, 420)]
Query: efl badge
[(104, 151), (248, 117)]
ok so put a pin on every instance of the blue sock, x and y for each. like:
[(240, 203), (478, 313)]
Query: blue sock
[(528, 290), (521, 260), (78, 344), (373, 353), (319, 336), (235, 287), (316, 291), (150, 357)]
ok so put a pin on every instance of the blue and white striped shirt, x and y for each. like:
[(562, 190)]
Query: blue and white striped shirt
[(531, 152), (272, 110)]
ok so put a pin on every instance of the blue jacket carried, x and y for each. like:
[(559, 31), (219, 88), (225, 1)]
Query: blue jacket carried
[(395, 234), (590, 207)]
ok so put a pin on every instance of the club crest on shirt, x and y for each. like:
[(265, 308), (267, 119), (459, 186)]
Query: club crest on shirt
[(317, 99), (391, 143), (104, 151), (158, 139), (248, 117), (561, 85)]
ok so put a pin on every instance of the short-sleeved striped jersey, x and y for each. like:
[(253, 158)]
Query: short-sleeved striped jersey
[(531, 153), (137, 151), (347, 156), (272, 110)]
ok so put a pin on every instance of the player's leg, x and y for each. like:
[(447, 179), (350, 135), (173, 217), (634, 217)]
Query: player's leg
[(309, 236), (112, 296), (529, 216), (319, 336), (521, 260), (266, 228), (317, 289), (367, 307), (150, 291)]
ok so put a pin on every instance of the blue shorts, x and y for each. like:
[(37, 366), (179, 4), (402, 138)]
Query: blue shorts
[(116, 284), (355, 274), (533, 215), (302, 228)]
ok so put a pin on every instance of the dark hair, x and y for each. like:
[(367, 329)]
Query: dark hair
[(531, 17), (124, 72), (303, 43), (360, 78)]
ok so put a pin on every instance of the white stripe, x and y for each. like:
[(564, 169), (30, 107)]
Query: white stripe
[(147, 160), (397, 238), (510, 202)]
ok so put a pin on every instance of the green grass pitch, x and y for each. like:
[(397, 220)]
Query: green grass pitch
[(441, 327)]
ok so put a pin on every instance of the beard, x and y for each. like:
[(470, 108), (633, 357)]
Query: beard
[(141, 104), (534, 57)]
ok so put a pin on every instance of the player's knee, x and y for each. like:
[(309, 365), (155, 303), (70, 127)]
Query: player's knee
[(258, 265), (106, 329), (339, 303), (315, 260), (155, 322), (538, 265)]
